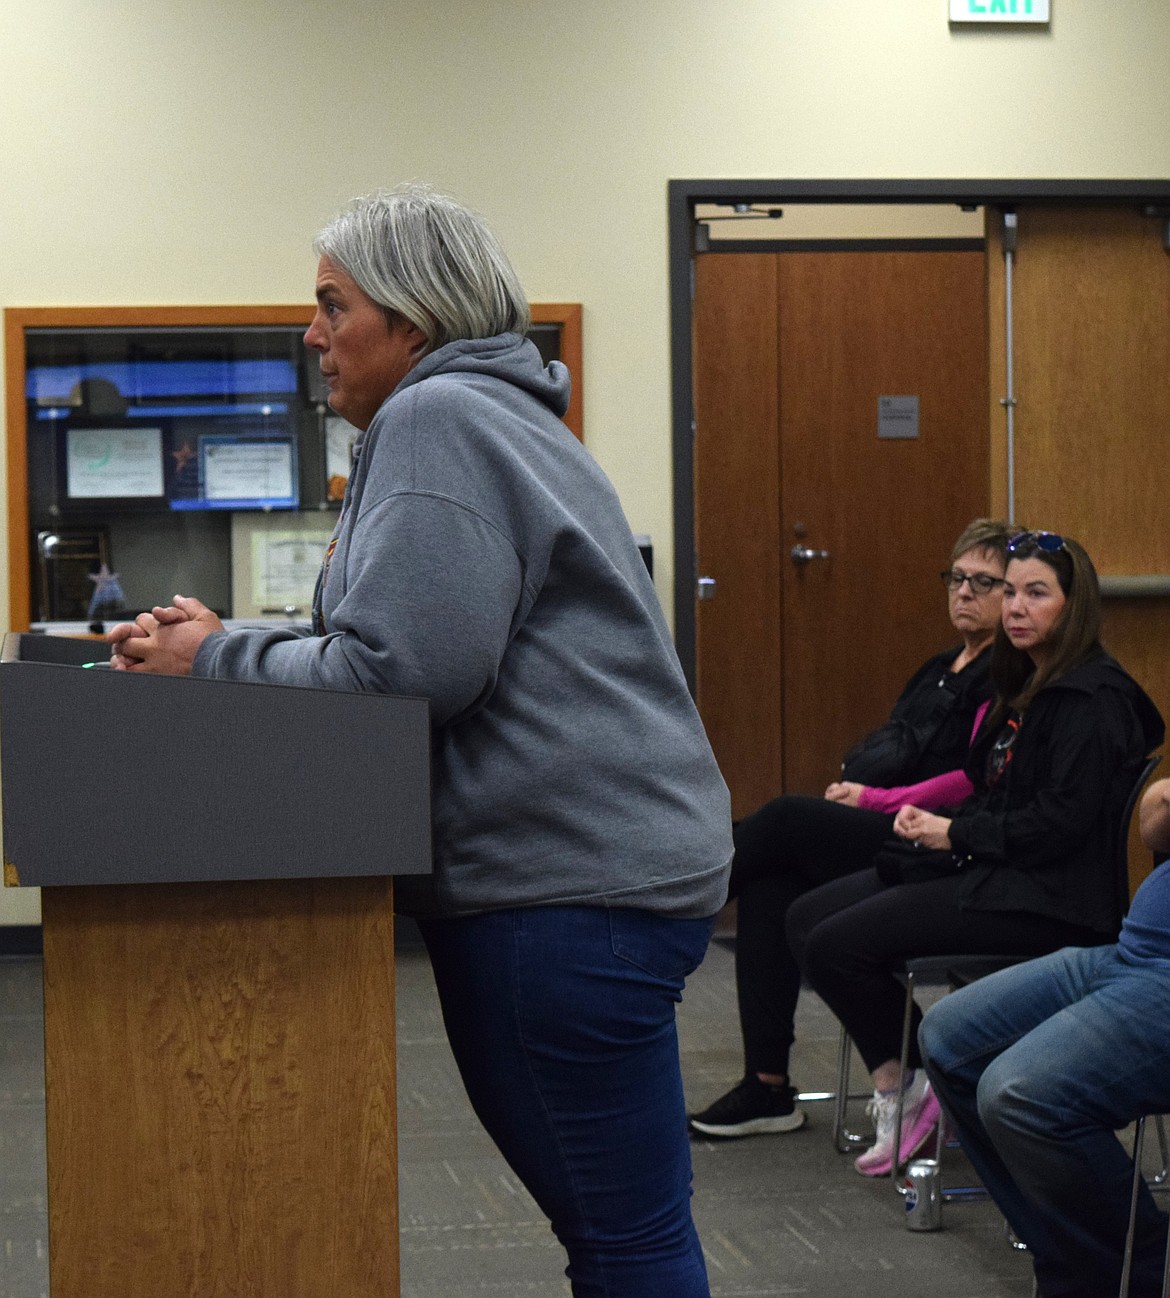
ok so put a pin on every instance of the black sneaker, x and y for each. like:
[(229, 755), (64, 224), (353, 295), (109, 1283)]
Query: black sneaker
[(753, 1108)]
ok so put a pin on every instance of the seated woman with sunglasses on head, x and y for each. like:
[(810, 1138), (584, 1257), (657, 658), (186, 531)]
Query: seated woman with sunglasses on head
[(1025, 865), (794, 844)]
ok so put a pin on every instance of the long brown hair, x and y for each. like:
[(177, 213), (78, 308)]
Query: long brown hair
[(1075, 638)]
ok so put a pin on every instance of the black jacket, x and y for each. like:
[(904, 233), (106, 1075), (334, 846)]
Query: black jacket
[(1041, 838), (921, 698)]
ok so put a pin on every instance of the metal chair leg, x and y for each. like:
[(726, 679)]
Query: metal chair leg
[(844, 1140), (1014, 1241), (1163, 1174), (967, 1193), (954, 1194), (1139, 1138), (904, 1061), (1166, 1270)]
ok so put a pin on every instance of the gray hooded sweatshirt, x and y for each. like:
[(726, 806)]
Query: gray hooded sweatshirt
[(483, 562)]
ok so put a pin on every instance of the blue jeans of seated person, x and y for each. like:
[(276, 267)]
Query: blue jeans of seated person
[(561, 1020), (1038, 1066)]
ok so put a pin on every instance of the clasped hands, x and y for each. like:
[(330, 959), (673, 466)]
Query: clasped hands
[(163, 641), (923, 828)]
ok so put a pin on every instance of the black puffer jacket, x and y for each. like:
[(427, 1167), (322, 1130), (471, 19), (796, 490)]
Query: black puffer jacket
[(1041, 838), (942, 705), (930, 728)]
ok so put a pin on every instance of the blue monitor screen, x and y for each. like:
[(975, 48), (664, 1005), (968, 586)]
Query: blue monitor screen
[(143, 382), (237, 470)]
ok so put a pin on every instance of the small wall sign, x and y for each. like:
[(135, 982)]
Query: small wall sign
[(999, 11), (897, 417)]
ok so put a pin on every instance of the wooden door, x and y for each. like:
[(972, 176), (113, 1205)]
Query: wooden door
[(737, 520), (1092, 384), (793, 351)]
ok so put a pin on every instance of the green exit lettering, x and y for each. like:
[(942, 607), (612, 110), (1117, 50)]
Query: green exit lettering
[(999, 7)]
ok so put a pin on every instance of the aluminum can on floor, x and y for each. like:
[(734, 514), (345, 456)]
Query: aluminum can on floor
[(923, 1195)]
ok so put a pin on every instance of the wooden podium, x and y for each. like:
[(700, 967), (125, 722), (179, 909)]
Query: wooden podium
[(219, 979)]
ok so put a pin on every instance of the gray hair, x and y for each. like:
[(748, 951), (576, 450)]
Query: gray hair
[(424, 256), (987, 535)]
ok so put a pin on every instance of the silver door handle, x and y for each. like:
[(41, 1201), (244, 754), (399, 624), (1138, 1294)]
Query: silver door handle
[(801, 554), (706, 587)]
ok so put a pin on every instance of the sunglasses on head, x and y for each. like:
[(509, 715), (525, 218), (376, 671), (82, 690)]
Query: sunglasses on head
[(1049, 542)]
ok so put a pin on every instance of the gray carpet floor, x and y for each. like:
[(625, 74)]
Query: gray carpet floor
[(778, 1215)]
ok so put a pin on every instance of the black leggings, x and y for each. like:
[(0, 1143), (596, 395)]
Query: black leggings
[(848, 936), (788, 847)]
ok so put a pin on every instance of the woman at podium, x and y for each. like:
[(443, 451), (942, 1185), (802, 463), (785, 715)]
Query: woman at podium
[(582, 832)]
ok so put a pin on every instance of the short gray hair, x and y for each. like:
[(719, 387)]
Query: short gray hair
[(988, 535), (424, 256)]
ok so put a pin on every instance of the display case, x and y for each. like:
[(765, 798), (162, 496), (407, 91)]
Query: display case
[(179, 449)]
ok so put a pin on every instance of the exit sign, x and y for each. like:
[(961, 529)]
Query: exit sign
[(999, 11)]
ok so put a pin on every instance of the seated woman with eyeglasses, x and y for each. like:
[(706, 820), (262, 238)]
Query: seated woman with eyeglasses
[(794, 844), (1025, 865)]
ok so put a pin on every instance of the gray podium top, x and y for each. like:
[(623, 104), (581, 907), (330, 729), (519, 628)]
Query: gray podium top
[(119, 777)]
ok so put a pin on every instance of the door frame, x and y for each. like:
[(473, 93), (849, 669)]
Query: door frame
[(682, 198)]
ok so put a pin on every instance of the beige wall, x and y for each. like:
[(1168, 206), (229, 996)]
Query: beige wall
[(186, 152)]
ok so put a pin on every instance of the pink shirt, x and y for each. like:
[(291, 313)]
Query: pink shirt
[(946, 790)]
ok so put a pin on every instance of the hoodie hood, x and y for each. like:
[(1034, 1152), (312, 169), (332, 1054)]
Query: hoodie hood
[(509, 356), (1104, 672)]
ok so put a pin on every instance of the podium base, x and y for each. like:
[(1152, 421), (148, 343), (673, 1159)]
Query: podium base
[(220, 1089)]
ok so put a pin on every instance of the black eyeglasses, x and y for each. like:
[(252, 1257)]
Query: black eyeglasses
[(1049, 542), (981, 583)]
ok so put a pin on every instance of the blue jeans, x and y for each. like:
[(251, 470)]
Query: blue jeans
[(561, 1020), (1037, 1067)]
